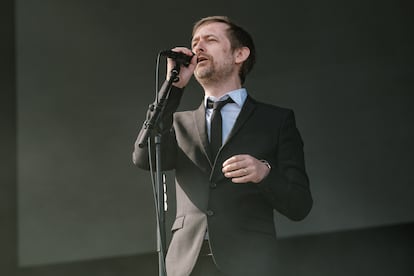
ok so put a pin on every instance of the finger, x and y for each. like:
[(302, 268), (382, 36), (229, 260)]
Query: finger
[(183, 50), (250, 176), (233, 159), (239, 165), (241, 180), (240, 172), (230, 161)]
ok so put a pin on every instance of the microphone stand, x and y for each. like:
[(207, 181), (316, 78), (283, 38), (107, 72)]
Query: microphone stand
[(145, 139)]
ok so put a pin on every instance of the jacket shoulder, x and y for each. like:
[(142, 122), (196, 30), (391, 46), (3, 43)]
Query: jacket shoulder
[(271, 108)]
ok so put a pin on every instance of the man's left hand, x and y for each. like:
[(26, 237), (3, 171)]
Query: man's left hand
[(244, 168)]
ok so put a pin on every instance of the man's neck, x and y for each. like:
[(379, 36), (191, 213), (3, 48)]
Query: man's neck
[(218, 89)]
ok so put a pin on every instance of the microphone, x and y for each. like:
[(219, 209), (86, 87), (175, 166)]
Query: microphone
[(178, 57)]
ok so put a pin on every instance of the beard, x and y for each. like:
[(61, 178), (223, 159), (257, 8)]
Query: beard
[(205, 71), (209, 71)]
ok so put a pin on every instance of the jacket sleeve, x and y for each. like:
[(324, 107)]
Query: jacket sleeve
[(140, 155), (287, 185)]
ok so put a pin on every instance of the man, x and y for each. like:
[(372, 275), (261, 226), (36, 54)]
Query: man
[(226, 199)]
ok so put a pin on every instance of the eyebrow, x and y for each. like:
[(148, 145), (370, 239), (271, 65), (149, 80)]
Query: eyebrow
[(207, 36)]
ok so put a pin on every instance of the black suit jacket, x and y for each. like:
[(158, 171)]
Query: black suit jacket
[(239, 217)]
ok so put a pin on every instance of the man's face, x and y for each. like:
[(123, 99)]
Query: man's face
[(213, 49)]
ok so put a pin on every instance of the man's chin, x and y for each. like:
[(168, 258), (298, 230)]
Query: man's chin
[(202, 73)]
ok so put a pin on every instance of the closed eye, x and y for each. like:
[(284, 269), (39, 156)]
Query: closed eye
[(207, 38), (211, 38)]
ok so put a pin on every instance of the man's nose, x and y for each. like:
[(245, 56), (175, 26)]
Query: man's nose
[(198, 48)]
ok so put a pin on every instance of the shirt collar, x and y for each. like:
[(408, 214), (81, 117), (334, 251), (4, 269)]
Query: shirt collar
[(238, 96)]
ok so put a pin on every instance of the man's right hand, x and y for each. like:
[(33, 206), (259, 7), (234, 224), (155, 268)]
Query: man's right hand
[(185, 72)]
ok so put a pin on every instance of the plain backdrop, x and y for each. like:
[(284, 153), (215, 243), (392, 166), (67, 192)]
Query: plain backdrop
[(86, 75)]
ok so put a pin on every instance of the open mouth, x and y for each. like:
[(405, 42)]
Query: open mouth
[(201, 59)]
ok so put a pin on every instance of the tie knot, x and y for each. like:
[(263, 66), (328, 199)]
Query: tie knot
[(219, 104)]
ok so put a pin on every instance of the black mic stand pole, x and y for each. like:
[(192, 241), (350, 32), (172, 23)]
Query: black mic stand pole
[(145, 139)]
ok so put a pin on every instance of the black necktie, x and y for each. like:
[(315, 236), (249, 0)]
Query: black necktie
[(216, 126)]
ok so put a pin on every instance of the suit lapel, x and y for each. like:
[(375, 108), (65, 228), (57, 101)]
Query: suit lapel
[(200, 123), (244, 114)]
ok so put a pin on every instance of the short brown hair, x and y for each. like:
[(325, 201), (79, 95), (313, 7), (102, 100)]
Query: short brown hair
[(238, 38)]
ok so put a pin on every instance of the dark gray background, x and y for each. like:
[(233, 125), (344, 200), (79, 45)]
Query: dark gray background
[(85, 76)]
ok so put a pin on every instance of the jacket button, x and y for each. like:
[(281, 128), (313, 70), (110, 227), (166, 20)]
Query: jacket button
[(210, 213), (213, 185)]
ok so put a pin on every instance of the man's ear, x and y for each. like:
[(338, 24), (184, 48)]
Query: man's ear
[(241, 54)]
